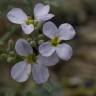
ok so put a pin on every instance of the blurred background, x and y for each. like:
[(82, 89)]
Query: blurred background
[(76, 77)]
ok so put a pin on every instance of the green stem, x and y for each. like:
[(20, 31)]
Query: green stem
[(31, 6), (31, 2), (8, 35)]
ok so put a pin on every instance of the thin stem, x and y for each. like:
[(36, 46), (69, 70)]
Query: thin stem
[(8, 35), (31, 6)]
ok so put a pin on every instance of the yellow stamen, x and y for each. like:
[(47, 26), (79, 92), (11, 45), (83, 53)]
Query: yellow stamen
[(55, 41), (29, 21), (31, 58)]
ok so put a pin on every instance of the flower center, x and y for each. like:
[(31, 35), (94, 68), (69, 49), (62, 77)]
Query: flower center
[(29, 21), (31, 58), (55, 41)]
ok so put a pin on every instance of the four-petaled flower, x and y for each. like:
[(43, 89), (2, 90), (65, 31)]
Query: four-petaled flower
[(65, 32), (38, 65), (18, 16)]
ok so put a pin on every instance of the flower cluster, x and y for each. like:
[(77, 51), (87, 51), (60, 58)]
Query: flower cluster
[(48, 53)]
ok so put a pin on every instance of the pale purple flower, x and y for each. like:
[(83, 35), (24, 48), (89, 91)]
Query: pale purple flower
[(38, 67), (18, 16), (64, 32)]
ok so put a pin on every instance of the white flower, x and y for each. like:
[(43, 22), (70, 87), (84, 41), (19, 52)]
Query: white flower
[(38, 65), (18, 16), (65, 32)]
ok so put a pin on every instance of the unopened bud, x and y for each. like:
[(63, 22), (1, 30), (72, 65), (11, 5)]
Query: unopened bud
[(3, 56), (33, 43), (40, 36), (10, 44), (10, 59), (12, 53), (40, 42), (29, 39)]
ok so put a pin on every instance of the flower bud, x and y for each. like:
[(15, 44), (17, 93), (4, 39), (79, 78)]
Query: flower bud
[(3, 56), (33, 43), (10, 44), (40, 36), (10, 59), (29, 39), (12, 53), (40, 42)]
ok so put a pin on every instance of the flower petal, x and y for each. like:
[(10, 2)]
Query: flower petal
[(38, 7), (45, 17), (40, 73), (41, 10), (50, 29), (16, 15), (46, 49), (21, 71), (23, 48), (28, 29), (64, 51), (66, 31), (48, 61)]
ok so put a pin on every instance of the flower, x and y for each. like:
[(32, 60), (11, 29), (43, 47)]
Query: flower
[(65, 32), (18, 16), (38, 65)]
